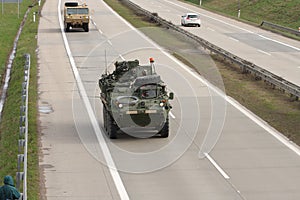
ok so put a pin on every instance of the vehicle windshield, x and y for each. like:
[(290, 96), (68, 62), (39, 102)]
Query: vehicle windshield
[(80, 11), (193, 16), (149, 91)]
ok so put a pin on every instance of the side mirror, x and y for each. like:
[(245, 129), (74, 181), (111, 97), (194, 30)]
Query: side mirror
[(171, 95)]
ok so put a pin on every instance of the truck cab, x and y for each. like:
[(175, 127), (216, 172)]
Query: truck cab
[(76, 16)]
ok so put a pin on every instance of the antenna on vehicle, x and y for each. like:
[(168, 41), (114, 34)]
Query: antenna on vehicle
[(105, 62)]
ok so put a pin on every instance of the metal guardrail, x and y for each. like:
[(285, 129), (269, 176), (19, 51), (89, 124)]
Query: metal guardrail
[(23, 137), (282, 28), (245, 65)]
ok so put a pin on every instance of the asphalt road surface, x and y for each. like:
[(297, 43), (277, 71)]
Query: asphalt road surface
[(270, 51), (216, 148)]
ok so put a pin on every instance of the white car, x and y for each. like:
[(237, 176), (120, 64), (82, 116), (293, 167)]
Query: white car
[(190, 19)]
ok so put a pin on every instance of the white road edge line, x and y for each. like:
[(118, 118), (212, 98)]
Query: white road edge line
[(242, 109), (106, 153), (216, 166), (261, 51)]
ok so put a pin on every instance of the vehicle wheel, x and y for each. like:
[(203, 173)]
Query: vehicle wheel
[(86, 27), (199, 25), (112, 127), (68, 27), (164, 132), (104, 118)]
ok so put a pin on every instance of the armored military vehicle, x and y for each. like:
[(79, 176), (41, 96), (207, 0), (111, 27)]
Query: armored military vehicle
[(76, 16), (135, 100)]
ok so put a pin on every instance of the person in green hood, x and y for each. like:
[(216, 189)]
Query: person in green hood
[(8, 190)]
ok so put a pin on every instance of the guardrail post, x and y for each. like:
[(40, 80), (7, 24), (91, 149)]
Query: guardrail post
[(21, 145), (22, 109), (19, 178), (22, 119), (22, 131), (20, 160), (33, 16), (294, 98)]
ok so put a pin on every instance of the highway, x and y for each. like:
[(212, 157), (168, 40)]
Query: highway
[(270, 51), (216, 148)]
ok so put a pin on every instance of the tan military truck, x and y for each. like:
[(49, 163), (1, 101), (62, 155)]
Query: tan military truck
[(76, 16)]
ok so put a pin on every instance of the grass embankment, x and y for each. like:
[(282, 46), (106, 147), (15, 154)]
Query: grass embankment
[(9, 127), (273, 106), (284, 13)]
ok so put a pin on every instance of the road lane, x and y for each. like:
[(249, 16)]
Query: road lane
[(69, 170), (185, 177)]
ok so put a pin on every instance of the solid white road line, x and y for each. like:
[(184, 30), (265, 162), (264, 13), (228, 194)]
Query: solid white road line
[(106, 153)]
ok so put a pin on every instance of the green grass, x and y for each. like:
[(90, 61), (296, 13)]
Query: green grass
[(9, 126), (282, 12), (9, 23)]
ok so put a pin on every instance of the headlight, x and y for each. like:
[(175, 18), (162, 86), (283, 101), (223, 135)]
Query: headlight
[(161, 104), (120, 105)]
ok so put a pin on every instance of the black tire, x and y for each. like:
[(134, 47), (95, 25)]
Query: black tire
[(164, 132), (112, 127), (67, 27), (86, 27), (198, 25), (104, 118)]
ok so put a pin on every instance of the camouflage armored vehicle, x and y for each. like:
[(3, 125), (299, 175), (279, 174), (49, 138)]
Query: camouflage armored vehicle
[(135, 100), (76, 16)]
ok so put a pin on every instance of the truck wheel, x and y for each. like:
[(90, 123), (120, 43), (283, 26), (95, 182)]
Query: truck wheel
[(112, 128), (164, 132), (86, 27), (104, 118), (67, 27)]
